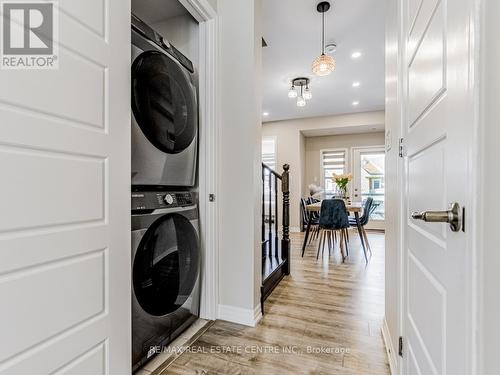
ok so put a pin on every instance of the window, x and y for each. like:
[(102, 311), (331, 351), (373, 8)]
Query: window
[(332, 162), (269, 152), (376, 183), (269, 159), (372, 172)]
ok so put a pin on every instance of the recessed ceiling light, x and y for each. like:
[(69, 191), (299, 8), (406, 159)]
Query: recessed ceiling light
[(265, 114), (355, 103), (356, 55), (355, 84)]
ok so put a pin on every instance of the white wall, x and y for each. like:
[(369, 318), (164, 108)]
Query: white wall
[(213, 3), (314, 145), (240, 171), (392, 178), (257, 157), (489, 182), (303, 163), (183, 33), (290, 149)]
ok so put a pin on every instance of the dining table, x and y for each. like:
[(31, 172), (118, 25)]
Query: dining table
[(352, 207)]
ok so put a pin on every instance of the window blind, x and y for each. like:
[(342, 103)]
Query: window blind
[(269, 152), (333, 162)]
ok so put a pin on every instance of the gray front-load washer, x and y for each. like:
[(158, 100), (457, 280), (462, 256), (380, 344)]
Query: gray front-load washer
[(165, 269), (165, 111)]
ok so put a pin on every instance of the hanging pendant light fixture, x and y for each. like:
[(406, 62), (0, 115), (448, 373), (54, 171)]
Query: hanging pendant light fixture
[(323, 64), (300, 89)]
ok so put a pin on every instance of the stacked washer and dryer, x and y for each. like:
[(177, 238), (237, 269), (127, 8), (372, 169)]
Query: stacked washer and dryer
[(165, 245)]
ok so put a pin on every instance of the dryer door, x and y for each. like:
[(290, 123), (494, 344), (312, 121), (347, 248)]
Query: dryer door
[(166, 265), (164, 102)]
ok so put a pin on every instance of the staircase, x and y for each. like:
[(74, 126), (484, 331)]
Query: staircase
[(275, 249)]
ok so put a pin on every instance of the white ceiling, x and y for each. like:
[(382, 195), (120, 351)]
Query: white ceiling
[(292, 30), (153, 11)]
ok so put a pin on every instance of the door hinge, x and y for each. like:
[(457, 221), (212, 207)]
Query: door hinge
[(402, 151), (400, 349), (211, 197)]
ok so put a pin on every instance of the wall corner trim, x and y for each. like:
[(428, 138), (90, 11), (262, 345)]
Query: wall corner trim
[(257, 314), (389, 349), (234, 314)]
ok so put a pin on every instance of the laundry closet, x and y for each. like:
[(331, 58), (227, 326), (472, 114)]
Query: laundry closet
[(166, 254)]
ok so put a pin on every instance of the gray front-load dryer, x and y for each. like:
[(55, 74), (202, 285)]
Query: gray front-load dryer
[(165, 111), (165, 269)]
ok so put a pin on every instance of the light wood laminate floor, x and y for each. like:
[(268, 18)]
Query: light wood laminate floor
[(333, 309)]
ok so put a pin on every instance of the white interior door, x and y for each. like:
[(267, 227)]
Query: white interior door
[(368, 169), (65, 211), (438, 129)]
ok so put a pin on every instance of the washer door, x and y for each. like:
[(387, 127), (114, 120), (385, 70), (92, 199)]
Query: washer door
[(166, 265), (163, 102)]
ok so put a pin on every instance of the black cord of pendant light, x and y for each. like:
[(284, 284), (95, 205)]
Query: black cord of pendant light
[(323, 34)]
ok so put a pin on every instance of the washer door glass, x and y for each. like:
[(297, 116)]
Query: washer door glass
[(163, 102), (166, 265)]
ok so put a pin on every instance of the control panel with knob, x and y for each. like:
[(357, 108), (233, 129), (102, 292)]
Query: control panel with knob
[(168, 199), (152, 200)]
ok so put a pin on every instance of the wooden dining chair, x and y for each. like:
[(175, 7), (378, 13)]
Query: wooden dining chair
[(333, 221)]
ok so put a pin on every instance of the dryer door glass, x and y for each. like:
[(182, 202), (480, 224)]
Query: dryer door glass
[(164, 102), (166, 265)]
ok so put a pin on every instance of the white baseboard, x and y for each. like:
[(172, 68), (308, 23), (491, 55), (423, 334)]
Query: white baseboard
[(391, 353), (247, 317), (294, 229)]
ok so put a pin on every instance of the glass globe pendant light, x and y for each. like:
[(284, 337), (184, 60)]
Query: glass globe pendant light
[(301, 102), (323, 65), (307, 93), (292, 93)]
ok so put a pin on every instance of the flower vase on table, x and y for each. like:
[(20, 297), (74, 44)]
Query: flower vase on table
[(341, 180)]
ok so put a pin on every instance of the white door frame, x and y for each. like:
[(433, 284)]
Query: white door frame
[(209, 132), (474, 209)]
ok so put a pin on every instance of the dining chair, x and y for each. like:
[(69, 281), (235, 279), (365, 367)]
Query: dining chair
[(346, 231), (311, 200), (309, 216), (364, 219), (315, 216), (333, 221)]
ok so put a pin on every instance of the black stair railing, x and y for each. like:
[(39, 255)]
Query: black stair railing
[(275, 252)]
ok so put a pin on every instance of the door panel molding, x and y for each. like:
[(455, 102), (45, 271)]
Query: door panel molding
[(436, 100), (65, 227)]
